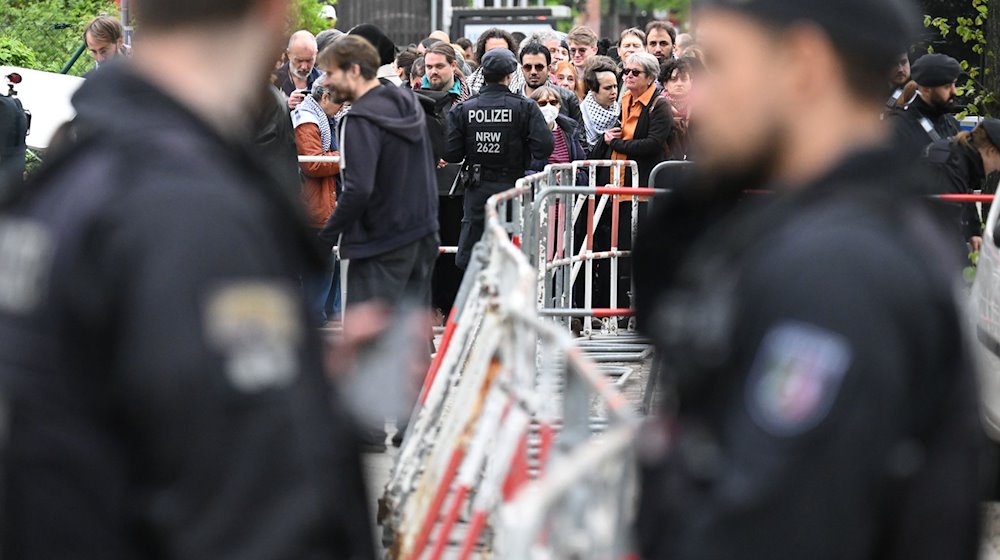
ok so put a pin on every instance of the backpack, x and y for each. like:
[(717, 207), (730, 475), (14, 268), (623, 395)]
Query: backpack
[(436, 105)]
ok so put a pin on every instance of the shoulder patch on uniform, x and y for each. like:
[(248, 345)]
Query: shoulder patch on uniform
[(256, 326), (26, 252), (796, 378)]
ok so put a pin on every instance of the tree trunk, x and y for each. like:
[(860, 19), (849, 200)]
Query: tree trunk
[(991, 60)]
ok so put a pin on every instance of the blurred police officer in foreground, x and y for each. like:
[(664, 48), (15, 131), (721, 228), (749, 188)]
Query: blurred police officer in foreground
[(497, 133), (825, 402), (929, 117), (162, 396)]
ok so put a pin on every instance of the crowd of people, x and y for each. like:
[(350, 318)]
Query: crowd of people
[(165, 390)]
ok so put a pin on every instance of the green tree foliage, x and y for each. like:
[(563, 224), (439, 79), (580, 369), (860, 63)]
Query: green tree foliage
[(307, 13), (49, 31), (44, 34), (971, 28)]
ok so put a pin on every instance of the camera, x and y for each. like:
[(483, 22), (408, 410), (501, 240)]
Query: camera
[(13, 79)]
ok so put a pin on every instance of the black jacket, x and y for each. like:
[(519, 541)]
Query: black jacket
[(570, 106), (13, 128), (957, 169), (568, 128), (908, 131), (389, 198), (275, 137), (811, 338), (515, 131), (162, 394), (648, 147)]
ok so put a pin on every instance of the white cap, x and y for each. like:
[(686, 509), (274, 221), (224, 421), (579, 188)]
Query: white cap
[(328, 12)]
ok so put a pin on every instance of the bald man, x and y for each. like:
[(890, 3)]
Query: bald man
[(297, 75)]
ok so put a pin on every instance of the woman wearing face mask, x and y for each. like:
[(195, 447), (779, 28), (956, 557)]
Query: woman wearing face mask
[(677, 77), (600, 108), (567, 148)]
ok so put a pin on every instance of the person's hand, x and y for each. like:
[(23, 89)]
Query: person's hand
[(976, 242), (442, 164), (613, 134), (295, 99)]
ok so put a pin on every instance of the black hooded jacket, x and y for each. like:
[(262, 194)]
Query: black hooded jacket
[(389, 198)]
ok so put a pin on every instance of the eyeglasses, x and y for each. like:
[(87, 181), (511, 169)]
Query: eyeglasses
[(580, 51), (544, 103), (534, 67), (633, 71)]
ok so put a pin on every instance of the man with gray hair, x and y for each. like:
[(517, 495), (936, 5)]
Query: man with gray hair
[(296, 76)]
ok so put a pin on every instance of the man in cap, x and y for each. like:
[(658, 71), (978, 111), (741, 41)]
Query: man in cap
[(329, 13), (929, 116), (823, 403), (497, 133)]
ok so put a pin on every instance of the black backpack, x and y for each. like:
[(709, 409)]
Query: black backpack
[(436, 106)]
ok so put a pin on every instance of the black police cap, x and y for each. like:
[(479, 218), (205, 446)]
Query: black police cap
[(499, 61), (992, 128), (933, 70), (875, 31)]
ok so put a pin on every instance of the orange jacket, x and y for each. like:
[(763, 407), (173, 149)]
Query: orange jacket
[(319, 186)]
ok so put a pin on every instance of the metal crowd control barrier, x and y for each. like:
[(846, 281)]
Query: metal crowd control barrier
[(503, 383)]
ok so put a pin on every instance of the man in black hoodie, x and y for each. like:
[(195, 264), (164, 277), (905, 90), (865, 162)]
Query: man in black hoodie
[(386, 216)]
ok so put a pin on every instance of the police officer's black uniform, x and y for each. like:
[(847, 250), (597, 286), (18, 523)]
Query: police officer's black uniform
[(822, 400), (827, 403), (498, 133), (161, 395), (918, 124)]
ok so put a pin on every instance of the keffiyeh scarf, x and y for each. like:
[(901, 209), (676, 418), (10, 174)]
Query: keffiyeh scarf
[(311, 108), (597, 119)]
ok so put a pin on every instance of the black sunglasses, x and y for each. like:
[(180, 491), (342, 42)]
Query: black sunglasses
[(632, 71), (544, 103), (535, 67)]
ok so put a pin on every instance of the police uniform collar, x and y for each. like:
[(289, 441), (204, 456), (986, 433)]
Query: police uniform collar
[(494, 88)]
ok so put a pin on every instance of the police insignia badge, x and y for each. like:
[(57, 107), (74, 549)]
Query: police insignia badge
[(795, 378), (256, 326)]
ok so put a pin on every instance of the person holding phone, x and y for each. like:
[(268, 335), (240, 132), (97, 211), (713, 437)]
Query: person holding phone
[(296, 76)]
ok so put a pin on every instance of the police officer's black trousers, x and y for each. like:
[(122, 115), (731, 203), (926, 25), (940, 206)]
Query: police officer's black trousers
[(474, 218)]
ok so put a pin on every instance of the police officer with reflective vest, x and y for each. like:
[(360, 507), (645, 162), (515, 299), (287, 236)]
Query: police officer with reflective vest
[(959, 166), (822, 399), (497, 133), (929, 116)]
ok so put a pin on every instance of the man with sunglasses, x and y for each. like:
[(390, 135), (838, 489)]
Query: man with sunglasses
[(582, 45), (536, 60), (498, 133)]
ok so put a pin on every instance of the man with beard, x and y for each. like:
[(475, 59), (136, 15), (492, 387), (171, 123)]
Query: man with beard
[(898, 79), (929, 117), (536, 60), (386, 217), (440, 68), (163, 395), (296, 76), (660, 37), (822, 401)]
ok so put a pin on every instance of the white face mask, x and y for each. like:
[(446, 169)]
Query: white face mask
[(550, 112)]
